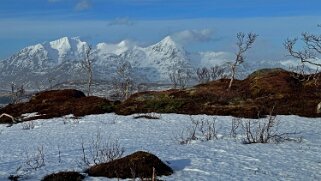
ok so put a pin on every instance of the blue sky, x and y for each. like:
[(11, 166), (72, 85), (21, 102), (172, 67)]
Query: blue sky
[(204, 25)]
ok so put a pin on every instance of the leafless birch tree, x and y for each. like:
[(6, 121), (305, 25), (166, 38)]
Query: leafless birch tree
[(244, 43), (311, 48), (87, 65)]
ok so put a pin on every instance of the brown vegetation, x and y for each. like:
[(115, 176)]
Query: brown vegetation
[(64, 176), (252, 97), (57, 103), (137, 165)]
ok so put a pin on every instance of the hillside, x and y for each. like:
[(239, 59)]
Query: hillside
[(252, 97)]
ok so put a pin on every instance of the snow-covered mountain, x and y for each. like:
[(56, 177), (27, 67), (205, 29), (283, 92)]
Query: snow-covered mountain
[(60, 61)]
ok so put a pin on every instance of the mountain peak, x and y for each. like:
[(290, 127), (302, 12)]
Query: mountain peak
[(168, 40), (62, 43), (124, 43)]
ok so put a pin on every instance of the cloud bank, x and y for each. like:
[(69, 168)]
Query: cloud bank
[(125, 21), (190, 36)]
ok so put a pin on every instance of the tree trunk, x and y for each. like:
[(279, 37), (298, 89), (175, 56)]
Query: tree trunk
[(232, 77), (89, 81)]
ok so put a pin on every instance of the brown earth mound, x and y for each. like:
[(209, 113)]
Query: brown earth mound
[(64, 176), (253, 97), (139, 165), (57, 103)]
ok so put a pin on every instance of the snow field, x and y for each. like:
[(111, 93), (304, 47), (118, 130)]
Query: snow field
[(223, 159)]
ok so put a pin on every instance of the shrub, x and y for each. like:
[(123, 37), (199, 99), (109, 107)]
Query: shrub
[(100, 151), (107, 107), (164, 103), (262, 131), (33, 162), (203, 130), (28, 125)]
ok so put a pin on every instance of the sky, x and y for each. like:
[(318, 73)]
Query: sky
[(199, 25)]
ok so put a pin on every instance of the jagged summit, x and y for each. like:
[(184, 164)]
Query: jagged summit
[(62, 43), (168, 43), (168, 40)]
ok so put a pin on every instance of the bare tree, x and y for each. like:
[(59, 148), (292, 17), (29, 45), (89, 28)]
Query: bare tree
[(173, 78), (310, 51), (217, 72), (123, 82), (51, 81), (203, 75), (180, 78), (16, 93), (244, 43), (304, 73), (87, 65)]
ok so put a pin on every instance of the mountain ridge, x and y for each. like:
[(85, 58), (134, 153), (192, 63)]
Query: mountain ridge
[(61, 59)]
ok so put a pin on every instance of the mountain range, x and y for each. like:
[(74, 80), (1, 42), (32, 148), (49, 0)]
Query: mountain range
[(60, 61)]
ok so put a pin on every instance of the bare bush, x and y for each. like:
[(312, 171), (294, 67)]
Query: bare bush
[(234, 127), (217, 72), (203, 75), (264, 131), (203, 130), (28, 125), (180, 77), (100, 151), (36, 160), (70, 120), (208, 129), (32, 162)]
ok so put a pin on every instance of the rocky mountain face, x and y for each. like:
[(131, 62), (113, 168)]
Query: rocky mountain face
[(42, 65)]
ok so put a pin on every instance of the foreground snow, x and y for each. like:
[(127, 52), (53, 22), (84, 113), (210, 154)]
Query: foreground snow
[(223, 159)]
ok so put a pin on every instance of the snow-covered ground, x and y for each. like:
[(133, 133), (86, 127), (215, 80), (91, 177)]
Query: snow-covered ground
[(223, 159)]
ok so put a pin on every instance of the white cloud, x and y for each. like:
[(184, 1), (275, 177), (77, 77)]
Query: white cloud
[(188, 36), (83, 5), (125, 21)]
